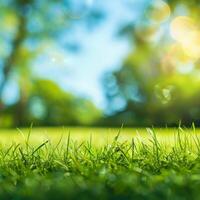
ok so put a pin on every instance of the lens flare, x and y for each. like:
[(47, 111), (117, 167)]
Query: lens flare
[(160, 11), (59, 60), (181, 27), (185, 32), (191, 45), (164, 94), (175, 59)]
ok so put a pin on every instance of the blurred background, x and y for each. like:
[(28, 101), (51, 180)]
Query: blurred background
[(99, 63)]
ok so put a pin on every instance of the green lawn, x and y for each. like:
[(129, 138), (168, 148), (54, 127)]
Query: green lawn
[(80, 163), (99, 136)]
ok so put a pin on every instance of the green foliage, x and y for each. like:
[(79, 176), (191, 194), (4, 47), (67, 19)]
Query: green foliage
[(48, 105), (157, 84), (28, 29), (128, 170)]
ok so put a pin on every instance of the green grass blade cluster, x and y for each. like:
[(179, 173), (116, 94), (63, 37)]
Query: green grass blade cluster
[(134, 169)]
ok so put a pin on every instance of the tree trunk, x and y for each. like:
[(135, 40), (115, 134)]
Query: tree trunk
[(10, 61)]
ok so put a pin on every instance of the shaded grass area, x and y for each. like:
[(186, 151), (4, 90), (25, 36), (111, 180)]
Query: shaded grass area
[(132, 169)]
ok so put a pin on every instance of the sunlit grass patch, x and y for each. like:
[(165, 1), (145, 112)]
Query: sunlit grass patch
[(99, 136), (126, 164)]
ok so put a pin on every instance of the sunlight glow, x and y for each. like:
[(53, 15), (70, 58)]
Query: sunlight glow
[(184, 30), (156, 16), (160, 11), (180, 27), (176, 59)]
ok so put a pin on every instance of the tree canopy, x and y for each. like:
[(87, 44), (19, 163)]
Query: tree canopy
[(159, 82), (27, 27)]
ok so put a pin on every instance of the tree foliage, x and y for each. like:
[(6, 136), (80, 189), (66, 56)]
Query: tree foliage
[(158, 83), (26, 27)]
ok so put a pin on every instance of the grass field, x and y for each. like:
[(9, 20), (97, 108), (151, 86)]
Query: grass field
[(82, 163), (99, 136)]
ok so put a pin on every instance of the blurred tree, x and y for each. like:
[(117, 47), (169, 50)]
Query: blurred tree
[(158, 83), (25, 26), (49, 105)]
